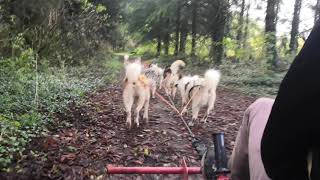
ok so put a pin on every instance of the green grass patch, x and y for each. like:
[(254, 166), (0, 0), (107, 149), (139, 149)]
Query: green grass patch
[(29, 98)]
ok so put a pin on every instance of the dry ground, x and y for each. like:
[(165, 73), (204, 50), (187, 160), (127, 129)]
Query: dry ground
[(88, 137)]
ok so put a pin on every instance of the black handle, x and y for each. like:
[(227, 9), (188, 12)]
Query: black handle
[(221, 160)]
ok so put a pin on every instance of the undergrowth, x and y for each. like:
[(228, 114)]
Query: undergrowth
[(30, 95), (252, 78)]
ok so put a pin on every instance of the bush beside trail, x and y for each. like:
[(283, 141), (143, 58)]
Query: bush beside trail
[(30, 97)]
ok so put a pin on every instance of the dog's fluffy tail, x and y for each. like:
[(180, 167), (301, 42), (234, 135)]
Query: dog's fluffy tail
[(211, 79), (133, 72), (177, 65), (126, 58)]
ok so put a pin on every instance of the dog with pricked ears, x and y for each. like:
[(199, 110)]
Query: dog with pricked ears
[(181, 86), (166, 73), (173, 85), (184, 85), (171, 75), (203, 93), (136, 86)]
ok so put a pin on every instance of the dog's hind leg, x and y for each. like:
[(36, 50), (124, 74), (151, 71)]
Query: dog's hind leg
[(128, 102), (195, 112), (167, 90), (160, 83), (154, 88), (146, 109), (209, 109), (174, 91), (140, 104), (166, 87)]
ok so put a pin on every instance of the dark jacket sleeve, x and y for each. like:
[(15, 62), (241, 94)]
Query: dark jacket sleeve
[(293, 127)]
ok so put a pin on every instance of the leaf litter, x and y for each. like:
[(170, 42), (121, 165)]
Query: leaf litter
[(98, 137)]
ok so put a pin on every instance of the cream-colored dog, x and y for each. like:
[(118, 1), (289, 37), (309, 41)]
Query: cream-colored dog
[(185, 84), (171, 76), (203, 93), (136, 85)]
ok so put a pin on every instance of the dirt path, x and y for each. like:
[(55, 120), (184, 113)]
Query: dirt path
[(95, 135)]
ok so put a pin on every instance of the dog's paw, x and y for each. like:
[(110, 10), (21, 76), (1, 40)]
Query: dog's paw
[(203, 120), (137, 123), (128, 124), (184, 111), (146, 121), (191, 123)]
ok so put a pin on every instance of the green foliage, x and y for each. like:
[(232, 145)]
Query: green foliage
[(251, 77), (146, 49), (52, 52), (25, 111), (60, 31), (113, 67)]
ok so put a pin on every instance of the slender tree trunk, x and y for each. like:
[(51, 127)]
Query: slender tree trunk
[(217, 49), (295, 27), (246, 29), (176, 49), (317, 12), (241, 24), (219, 32), (183, 40), (184, 28), (277, 10), (270, 29), (194, 26), (229, 24), (159, 36), (167, 37), (159, 44)]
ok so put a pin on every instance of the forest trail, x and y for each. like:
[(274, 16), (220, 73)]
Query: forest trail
[(95, 136)]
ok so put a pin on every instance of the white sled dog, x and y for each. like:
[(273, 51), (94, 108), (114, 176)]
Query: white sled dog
[(136, 86), (171, 75), (203, 93), (184, 86), (155, 74)]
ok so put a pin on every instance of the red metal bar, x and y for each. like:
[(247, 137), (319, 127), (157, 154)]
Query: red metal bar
[(152, 170), (223, 177), (185, 169)]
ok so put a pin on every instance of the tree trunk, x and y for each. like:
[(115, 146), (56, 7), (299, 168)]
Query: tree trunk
[(159, 36), (176, 48), (217, 49), (159, 44), (183, 40), (218, 32), (228, 27), (241, 24), (270, 30), (194, 26), (166, 40), (317, 12), (246, 29), (295, 27)]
